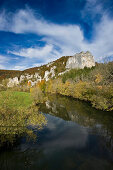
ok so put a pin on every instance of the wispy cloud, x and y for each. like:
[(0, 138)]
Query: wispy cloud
[(60, 39), (36, 52), (3, 60), (20, 67), (63, 36), (103, 38), (2, 67), (92, 9)]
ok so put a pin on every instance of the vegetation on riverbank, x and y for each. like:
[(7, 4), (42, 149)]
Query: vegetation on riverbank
[(17, 113), (94, 85)]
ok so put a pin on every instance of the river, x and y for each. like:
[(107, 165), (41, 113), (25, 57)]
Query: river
[(76, 137)]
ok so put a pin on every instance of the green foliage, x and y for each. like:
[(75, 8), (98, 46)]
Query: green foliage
[(37, 95), (77, 74), (105, 71), (20, 88), (90, 84), (100, 71), (16, 113)]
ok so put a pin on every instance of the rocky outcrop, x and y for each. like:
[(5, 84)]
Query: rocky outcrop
[(80, 60), (13, 82), (59, 74), (54, 69), (50, 74)]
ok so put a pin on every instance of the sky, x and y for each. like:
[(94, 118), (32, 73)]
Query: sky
[(35, 32)]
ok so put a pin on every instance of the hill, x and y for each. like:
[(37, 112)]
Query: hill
[(48, 71), (77, 76)]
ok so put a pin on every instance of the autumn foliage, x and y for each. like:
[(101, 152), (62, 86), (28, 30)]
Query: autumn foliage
[(94, 85)]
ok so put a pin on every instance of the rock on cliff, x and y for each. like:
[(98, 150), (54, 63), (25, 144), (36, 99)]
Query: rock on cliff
[(80, 60), (53, 69), (13, 82)]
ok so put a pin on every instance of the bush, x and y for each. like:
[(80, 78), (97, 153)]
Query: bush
[(37, 95), (16, 113)]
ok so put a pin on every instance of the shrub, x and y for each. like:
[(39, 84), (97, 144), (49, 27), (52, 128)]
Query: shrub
[(37, 95), (16, 113)]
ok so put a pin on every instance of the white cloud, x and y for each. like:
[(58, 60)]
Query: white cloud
[(39, 64), (2, 67), (91, 9), (66, 37), (36, 52), (3, 59), (3, 21), (19, 67), (102, 44), (60, 39)]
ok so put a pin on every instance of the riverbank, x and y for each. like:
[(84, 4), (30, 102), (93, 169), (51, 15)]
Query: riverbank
[(100, 97), (94, 85)]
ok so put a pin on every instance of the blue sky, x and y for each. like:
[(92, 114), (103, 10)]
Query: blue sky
[(35, 32)]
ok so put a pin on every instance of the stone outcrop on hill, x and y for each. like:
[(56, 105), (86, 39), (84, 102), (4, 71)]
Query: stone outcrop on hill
[(13, 82), (53, 69), (80, 60)]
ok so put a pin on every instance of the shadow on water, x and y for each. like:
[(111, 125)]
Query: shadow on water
[(77, 136)]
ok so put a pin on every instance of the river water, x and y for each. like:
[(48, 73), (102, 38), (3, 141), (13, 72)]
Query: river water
[(76, 137)]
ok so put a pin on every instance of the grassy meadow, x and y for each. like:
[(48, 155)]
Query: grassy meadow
[(15, 99)]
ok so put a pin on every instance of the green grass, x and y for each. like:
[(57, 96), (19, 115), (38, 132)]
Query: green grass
[(15, 99)]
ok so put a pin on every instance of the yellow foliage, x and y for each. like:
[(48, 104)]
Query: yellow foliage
[(29, 83), (31, 89), (98, 78), (37, 95), (41, 85), (49, 86), (80, 88), (99, 87)]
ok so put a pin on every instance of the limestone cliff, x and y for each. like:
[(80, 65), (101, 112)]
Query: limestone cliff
[(80, 60), (53, 69)]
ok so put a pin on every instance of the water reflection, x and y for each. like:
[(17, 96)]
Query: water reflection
[(65, 135), (97, 122), (76, 137), (15, 123)]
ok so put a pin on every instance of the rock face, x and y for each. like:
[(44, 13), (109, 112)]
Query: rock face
[(16, 81), (80, 60), (54, 69), (13, 82), (49, 74)]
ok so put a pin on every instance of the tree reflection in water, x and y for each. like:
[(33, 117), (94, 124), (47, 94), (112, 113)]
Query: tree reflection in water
[(98, 122), (14, 122), (76, 137)]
